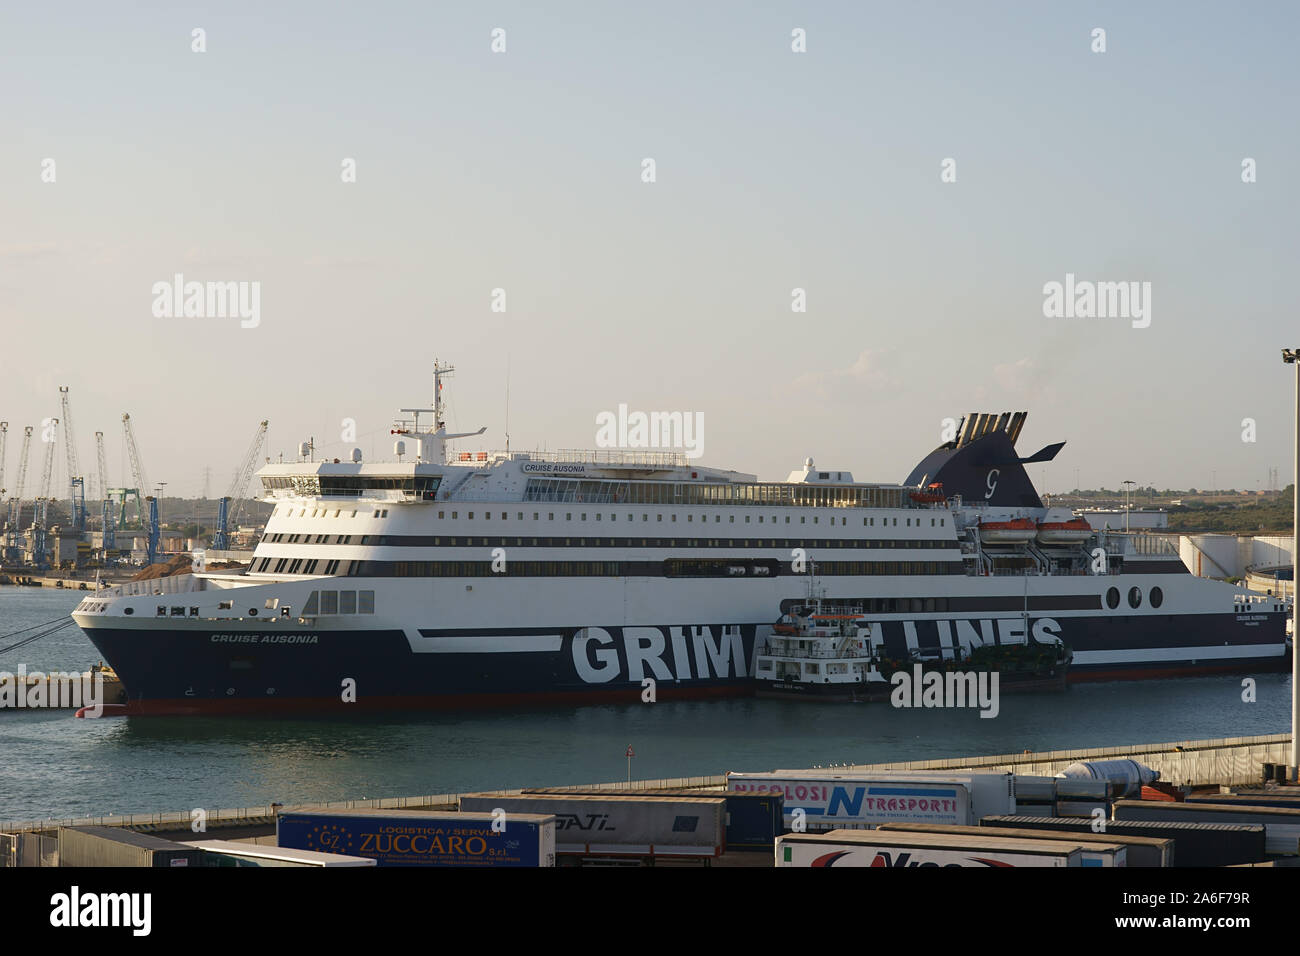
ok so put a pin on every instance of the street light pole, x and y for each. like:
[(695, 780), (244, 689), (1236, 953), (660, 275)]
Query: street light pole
[(1291, 357), (1127, 487)]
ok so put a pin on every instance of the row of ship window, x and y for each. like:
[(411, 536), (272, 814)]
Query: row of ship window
[(598, 491), (673, 567), (318, 602), (471, 541), (760, 494), (935, 522)]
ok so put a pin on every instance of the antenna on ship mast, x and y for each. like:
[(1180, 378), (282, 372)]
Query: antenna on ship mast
[(438, 372), (814, 594), (436, 437)]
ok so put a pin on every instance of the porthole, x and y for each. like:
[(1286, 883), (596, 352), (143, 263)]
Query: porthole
[(252, 612), (1134, 597), (1157, 597), (128, 610), (1112, 598)]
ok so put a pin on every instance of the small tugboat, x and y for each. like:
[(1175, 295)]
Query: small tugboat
[(820, 650), (829, 651)]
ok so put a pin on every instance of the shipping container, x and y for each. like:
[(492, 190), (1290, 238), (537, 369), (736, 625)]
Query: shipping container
[(885, 849), (1083, 808), (1249, 798), (830, 800), (1033, 789), (115, 846), (1195, 844), (635, 827), (1142, 851), (1282, 824), (422, 837), (752, 821), (230, 853), (1076, 788)]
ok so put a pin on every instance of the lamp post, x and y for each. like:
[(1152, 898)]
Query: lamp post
[(1292, 357), (1127, 487)]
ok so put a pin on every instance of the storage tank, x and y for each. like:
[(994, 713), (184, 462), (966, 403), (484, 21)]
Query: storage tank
[(1126, 777)]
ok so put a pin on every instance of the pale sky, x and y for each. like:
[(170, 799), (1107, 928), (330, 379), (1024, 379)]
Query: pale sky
[(775, 170)]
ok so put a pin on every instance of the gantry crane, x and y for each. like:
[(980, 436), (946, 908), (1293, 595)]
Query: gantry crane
[(76, 481), (12, 547), (101, 492), (230, 508), (41, 514), (142, 485), (4, 443)]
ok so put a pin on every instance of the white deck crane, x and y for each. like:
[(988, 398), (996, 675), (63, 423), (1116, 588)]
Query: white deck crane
[(231, 507)]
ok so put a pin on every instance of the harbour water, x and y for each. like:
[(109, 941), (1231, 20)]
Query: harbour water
[(57, 766)]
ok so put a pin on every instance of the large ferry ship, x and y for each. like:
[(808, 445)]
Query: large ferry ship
[(459, 579)]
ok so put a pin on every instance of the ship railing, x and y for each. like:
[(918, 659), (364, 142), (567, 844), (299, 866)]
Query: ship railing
[(772, 649), (601, 456), (827, 609), (1132, 542), (173, 584)]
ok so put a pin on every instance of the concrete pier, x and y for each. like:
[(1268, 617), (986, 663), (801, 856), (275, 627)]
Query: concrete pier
[(1196, 763)]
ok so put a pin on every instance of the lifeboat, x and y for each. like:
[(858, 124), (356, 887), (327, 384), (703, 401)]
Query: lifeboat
[(1064, 532), (1017, 531), (932, 495)]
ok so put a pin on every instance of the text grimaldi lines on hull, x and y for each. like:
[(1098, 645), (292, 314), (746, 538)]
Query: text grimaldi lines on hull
[(447, 578)]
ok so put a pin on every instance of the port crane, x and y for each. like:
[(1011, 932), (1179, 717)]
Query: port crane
[(230, 508), (101, 492), (76, 481), (141, 483), (40, 517), (12, 549), (4, 444)]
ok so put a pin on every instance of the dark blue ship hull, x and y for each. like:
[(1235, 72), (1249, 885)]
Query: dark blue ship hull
[(219, 669)]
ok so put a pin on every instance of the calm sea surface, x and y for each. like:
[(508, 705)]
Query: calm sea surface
[(57, 766)]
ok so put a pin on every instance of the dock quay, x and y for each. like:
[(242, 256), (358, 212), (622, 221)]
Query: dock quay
[(59, 690), (1193, 765)]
